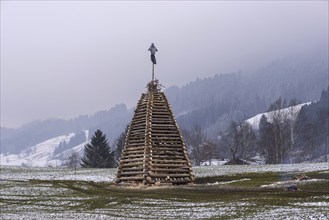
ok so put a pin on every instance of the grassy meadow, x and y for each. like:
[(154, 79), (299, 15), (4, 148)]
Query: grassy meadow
[(219, 192)]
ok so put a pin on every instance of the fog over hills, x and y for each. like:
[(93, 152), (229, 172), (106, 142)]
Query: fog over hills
[(213, 102), (209, 102)]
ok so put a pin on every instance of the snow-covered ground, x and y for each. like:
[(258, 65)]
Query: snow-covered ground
[(33, 193), (204, 171), (56, 173), (214, 162), (108, 175)]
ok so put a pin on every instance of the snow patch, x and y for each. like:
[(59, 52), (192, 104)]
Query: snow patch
[(291, 111), (37, 155), (228, 182), (285, 184), (42, 154), (213, 162)]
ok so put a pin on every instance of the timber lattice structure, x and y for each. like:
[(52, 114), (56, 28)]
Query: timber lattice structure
[(154, 151)]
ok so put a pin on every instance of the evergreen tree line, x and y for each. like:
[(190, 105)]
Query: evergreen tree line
[(312, 125)]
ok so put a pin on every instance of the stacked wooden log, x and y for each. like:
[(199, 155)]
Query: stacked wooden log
[(154, 151)]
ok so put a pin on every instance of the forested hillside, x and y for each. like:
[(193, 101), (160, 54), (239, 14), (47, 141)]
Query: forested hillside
[(284, 134), (312, 126), (215, 101), (209, 104)]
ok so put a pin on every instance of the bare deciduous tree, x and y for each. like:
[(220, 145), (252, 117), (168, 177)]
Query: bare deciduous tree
[(194, 140), (279, 135), (209, 151), (73, 161), (240, 138)]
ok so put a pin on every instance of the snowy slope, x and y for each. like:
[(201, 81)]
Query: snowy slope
[(291, 112), (42, 154)]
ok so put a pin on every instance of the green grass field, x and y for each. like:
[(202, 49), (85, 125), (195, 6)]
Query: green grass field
[(238, 195)]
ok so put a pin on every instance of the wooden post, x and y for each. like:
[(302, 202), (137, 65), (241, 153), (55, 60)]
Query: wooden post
[(152, 72)]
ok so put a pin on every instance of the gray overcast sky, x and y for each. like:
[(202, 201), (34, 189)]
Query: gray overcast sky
[(60, 59)]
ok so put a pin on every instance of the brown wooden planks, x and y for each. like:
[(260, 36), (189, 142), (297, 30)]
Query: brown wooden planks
[(154, 150)]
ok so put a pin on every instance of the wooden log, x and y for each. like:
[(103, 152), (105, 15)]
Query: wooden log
[(162, 121), (160, 146), (170, 165), (164, 131), (162, 117), (128, 156), (130, 173), (165, 134), (138, 121), (168, 156), (131, 168), (162, 125), (136, 140), (137, 131), (166, 148), (141, 117), (173, 170), (170, 175), (132, 153), (136, 137), (169, 142), (134, 147), (167, 153), (168, 161), (131, 178), (131, 160), (136, 164)]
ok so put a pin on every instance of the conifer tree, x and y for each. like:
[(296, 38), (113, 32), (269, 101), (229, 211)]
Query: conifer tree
[(120, 143), (97, 153), (266, 140)]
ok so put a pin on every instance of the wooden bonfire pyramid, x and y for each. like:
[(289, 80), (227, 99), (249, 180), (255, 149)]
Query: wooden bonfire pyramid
[(154, 151)]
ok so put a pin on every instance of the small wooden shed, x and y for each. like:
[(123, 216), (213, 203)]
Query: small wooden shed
[(154, 151)]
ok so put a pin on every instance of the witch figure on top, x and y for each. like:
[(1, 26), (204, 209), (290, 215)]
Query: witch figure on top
[(153, 50)]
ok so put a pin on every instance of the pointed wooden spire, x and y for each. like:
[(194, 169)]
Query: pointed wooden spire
[(154, 151)]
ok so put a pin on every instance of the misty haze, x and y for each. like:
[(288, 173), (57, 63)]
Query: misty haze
[(245, 92)]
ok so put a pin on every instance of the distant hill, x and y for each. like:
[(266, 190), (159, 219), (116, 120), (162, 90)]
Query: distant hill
[(41, 154), (56, 150), (111, 122)]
